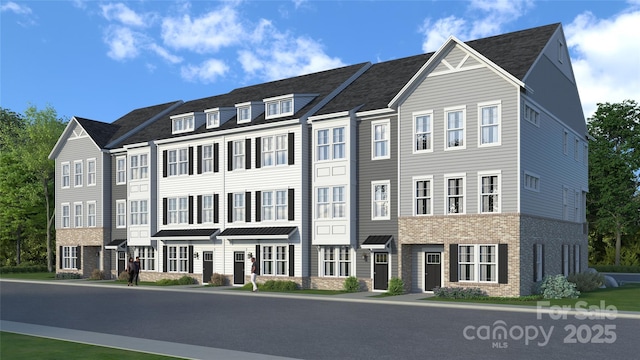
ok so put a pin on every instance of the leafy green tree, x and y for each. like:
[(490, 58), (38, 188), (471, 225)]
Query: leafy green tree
[(614, 165)]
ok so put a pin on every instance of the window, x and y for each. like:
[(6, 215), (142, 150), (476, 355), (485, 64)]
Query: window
[(323, 204), (238, 207), (281, 260), (531, 181), (147, 256), (213, 119), (66, 180), (576, 259), (576, 149), (336, 261), (478, 263), (531, 115), (489, 193), (182, 124), (280, 107), (423, 131), (267, 260), (121, 214), (91, 172), (331, 203), (538, 258), (91, 214), (66, 216), (121, 170), (178, 258), (78, 174), (178, 161), (69, 257), (380, 130), (207, 208), (381, 201), (178, 210), (338, 143), (277, 265), (77, 215), (323, 145), (139, 212), (238, 154), (489, 123), (277, 210), (244, 114), (455, 195), (344, 262), (565, 142), (139, 166), (339, 203), (333, 147), (423, 197), (455, 128), (207, 158), (274, 150)]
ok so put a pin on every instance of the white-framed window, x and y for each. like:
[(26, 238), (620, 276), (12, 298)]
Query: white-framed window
[(455, 200), (69, 257), (238, 207), (274, 205), (279, 108), (531, 181), (139, 166), (423, 130), (339, 144), (121, 170), (121, 213), (322, 144), (66, 175), (565, 142), (182, 124), (336, 261), (565, 203), (147, 256), (274, 265), (178, 210), (281, 260), (139, 212), (244, 114), (207, 209), (207, 158), (490, 115), (178, 161), (531, 115), (91, 172), (489, 192), (576, 149), (238, 155), (478, 263), (381, 200), (323, 204), (66, 216), (539, 273), (338, 203), (77, 215), (331, 144), (381, 135), (213, 119), (178, 258), (267, 260), (331, 202), (78, 174), (455, 123), (274, 150), (91, 213), (423, 196), (565, 260)]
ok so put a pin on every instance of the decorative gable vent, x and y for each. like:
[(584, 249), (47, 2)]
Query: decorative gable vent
[(218, 116), (249, 111), (188, 122)]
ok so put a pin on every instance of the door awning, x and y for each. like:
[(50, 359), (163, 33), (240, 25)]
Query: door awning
[(377, 242), (115, 244), (258, 233), (185, 234)]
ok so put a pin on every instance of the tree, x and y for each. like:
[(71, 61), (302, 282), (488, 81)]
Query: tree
[(614, 165)]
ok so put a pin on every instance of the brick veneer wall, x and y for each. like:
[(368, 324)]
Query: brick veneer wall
[(92, 241)]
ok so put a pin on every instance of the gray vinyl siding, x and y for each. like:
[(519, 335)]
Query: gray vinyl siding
[(119, 193), (465, 88), (376, 170)]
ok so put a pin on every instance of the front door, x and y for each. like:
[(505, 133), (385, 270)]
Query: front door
[(432, 270), (207, 266), (122, 261), (238, 268), (380, 270)]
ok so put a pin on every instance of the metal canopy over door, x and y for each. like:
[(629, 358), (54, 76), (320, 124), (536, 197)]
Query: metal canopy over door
[(432, 270), (380, 270), (238, 268), (207, 266)]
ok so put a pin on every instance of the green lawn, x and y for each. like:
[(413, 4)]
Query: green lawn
[(19, 347), (30, 276)]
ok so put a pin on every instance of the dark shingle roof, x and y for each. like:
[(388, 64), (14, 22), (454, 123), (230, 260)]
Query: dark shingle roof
[(185, 233), (377, 240), (99, 131), (257, 231)]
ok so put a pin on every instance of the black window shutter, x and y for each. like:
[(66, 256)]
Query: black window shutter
[(61, 256), (230, 207), (247, 153), (190, 210), (542, 250), (199, 160), (290, 149), (165, 203), (190, 160), (291, 259), (164, 163), (216, 155), (258, 153), (247, 206), (453, 262), (190, 259), (257, 256), (258, 206), (290, 204), (535, 262), (503, 264), (199, 210), (229, 155), (79, 257), (215, 208), (165, 256)]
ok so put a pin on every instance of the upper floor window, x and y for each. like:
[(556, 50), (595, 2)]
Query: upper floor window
[(91, 214), (66, 175), (139, 166), (489, 123), (576, 149), (182, 124), (331, 144), (455, 194), (121, 170), (139, 212), (489, 193), (91, 172), (331, 202), (380, 130), (78, 173), (531, 115), (178, 162), (207, 158), (380, 200), (423, 131), (279, 108), (77, 215), (66, 216), (274, 205), (238, 207), (244, 114), (213, 119), (207, 209), (238, 155), (531, 181), (121, 213), (455, 118), (274, 150), (178, 210), (423, 197)]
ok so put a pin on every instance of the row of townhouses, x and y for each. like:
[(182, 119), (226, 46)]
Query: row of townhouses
[(463, 167)]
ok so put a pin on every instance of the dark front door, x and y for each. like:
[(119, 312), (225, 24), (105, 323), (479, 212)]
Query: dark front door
[(380, 271), (122, 261), (238, 268), (432, 270), (207, 266)]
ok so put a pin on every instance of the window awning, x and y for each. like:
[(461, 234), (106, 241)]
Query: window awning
[(115, 244), (185, 234), (376, 242), (258, 233)]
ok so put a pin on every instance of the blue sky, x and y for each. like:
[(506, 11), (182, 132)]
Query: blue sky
[(102, 59)]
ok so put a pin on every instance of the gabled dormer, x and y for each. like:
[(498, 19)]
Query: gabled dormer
[(218, 116), (248, 111), (188, 122), (286, 105)]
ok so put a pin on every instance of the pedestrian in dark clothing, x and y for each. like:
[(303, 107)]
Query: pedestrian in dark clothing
[(131, 271), (136, 270)]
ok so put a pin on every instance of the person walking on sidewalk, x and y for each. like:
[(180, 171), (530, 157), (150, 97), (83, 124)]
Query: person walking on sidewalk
[(130, 271), (254, 273), (136, 270)]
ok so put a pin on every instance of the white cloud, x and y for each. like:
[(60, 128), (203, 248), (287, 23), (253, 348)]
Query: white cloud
[(123, 43), (122, 13), (163, 53), (16, 8), (605, 57), (207, 72)]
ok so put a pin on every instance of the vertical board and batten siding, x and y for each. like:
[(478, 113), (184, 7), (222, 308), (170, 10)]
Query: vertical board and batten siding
[(119, 192), (376, 170), (463, 88)]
